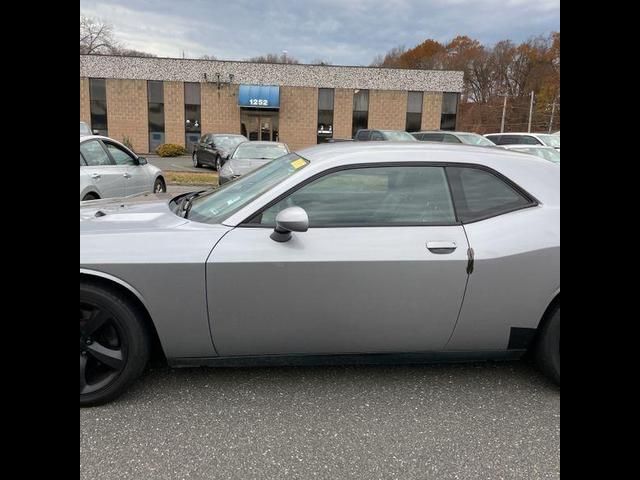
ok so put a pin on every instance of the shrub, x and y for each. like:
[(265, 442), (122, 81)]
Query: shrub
[(126, 141), (170, 150)]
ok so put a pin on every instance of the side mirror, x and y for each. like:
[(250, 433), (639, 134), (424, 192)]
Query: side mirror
[(292, 219), (142, 161)]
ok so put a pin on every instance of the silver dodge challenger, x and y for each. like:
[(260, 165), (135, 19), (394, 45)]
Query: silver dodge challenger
[(346, 252)]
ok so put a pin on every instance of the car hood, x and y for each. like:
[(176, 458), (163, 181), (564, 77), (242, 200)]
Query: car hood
[(138, 212), (142, 229), (245, 165)]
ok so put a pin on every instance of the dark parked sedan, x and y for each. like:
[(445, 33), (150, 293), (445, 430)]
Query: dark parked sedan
[(215, 148)]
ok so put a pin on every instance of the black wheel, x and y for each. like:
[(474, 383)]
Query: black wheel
[(196, 162), (114, 345), (90, 196), (548, 346), (159, 186), (218, 163)]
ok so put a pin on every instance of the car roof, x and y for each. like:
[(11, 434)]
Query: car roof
[(262, 142), (447, 131), (534, 174), (522, 145), (517, 133)]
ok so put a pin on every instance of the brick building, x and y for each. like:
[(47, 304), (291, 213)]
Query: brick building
[(152, 101)]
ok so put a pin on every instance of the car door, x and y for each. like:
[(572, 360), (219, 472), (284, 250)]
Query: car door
[(137, 178), (204, 150), (107, 177), (382, 268)]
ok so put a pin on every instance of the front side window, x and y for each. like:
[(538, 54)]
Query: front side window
[(451, 139), (120, 156), (390, 195), (376, 136), (219, 204), (432, 137), (94, 154), (480, 194)]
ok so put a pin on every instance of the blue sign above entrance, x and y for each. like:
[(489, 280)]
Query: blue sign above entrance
[(259, 96)]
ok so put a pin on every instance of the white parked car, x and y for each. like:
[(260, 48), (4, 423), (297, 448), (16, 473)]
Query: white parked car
[(525, 139), (548, 153), (109, 169)]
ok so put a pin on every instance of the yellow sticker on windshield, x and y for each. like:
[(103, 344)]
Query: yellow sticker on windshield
[(298, 163)]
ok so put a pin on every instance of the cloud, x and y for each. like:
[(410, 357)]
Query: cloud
[(348, 32)]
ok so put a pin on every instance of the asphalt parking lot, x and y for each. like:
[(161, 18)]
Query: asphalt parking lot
[(489, 421)]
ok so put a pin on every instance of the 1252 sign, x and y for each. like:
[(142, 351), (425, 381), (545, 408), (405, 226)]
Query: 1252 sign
[(259, 102)]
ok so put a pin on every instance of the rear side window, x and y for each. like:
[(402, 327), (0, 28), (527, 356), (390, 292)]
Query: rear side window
[(94, 154), (82, 163), (481, 194), (432, 137), (376, 136), (363, 135)]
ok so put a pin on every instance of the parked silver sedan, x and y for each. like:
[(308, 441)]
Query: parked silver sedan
[(109, 169), (346, 252), (248, 156)]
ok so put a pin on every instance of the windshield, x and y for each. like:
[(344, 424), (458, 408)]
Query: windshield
[(249, 150), (550, 154), (215, 206), (228, 142), (475, 139), (399, 137), (550, 140), (84, 129)]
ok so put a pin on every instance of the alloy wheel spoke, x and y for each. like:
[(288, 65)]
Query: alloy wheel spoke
[(97, 319), (108, 356), (83, 375)]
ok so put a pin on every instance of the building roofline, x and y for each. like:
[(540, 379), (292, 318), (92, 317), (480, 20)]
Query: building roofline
[(271, 63)]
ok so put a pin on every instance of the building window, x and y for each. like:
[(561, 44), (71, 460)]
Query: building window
[(325, 114), (191, 114), (98, 105), (155, 96), (360, 111), (414, 112), (449, 111)]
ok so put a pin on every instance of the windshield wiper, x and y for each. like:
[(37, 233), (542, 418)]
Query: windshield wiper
[(185, 203)]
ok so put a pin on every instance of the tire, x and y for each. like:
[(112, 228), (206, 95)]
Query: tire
[(111, 330), (90, 196), (547, 352), (218, 165), (159, 186), (196, 162)]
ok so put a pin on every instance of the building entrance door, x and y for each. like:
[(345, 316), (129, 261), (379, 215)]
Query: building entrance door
[(259, 125)]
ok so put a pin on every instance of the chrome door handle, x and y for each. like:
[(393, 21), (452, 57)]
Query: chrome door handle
[(95, 175), (441, 247), (126, 175)]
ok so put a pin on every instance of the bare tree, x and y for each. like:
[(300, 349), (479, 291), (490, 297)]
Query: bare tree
[(208, 57), (274, 58), (96, 36)]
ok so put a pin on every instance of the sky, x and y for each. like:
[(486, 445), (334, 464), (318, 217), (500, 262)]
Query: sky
[(343, 32)]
